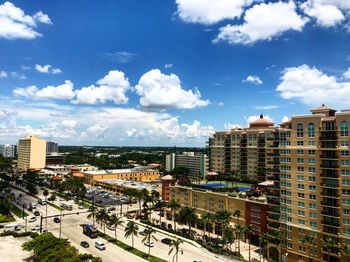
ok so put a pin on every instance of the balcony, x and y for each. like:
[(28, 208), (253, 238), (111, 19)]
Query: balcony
[(331, 203), (330, 212)]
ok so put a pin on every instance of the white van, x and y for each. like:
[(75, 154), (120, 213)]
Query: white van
[(42, 201), (100, 245), (12, 227)]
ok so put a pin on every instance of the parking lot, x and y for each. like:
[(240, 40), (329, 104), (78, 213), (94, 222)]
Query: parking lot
[(101, 197)]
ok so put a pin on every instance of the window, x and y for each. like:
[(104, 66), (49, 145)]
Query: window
[(346, 231), (300, 186), (300, 143), (344, 153), (300, 178), (312, 197), (313, 224), (313, 215), (311, 143), (300, 130), (311, 130), (345, 182), (312, 188), (346, 211), (345, 162), (300, 152), (345, 172), (344, 129), (312, 179), (311, 161), (301, 204), (301, 221), (312, 206), (346, 221), (344, 143), (301, 195), (301, 213), (300, 169), (346, 202), (312, 170), (300, 160), (289, 245), (312, 152)]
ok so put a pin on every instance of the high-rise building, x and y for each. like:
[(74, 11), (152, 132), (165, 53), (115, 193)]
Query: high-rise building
[(244, 151), (51, 147), (7, 150), (311, 195), (197, 163), (31, 153)]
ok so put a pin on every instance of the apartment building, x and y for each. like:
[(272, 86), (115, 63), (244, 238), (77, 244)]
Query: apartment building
[(253, 211), (51, 147), (244, 151), (31, 153), (312, 187), (197, 163), (7, 150)]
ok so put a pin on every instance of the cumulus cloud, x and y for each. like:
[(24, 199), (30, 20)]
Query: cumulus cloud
[(15, 24), (112, 87), (346, 74), (209, 11), (229, 126), (325, 14), (158, 90), (253, 79), (3, 74), (63, 91), (311, 86), (263, 22), (47, 69), (285, 119)]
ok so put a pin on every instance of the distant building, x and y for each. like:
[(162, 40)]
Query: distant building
[(196, 163), (51, 147), (143, 174), (31, 153), (118, 185), (54, 159), (167, 181), (7, 150)]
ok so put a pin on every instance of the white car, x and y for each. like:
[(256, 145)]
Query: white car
[(32, 219), (100, 245), (149, 244), (36, 228), (112, 227)]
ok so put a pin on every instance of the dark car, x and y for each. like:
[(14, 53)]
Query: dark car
[(56, 220), (166, 241), (84, 244), (36, 213)]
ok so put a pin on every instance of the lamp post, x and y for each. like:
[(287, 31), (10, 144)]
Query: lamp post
[(60, 224)]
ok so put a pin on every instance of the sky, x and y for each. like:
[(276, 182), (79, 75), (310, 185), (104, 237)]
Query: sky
[(166, 72)]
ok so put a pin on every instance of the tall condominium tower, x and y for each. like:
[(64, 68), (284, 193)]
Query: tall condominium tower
[(31, 153)]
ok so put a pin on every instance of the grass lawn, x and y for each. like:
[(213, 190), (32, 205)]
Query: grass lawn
[(17, 212), (4, 220)]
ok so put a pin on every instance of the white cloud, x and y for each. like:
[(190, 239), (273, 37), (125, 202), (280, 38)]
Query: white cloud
[(159, 90), (268, 107), (120, 57), (168, 65), (285, 119), (253, 79), (47, 69), (209, 11), (95, 131), (24, 67), (3, 74), (15, 24), (325, 14), (311, 86), (342, 4), (263, 22), (112, 87), (17, 75), (346, 74), (63, 91)]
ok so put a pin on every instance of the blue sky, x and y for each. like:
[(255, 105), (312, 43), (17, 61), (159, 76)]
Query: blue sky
[(127, 72)]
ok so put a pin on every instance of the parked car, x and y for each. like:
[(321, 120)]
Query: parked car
[(142, 233), (100, 245), (149, 244), (111, 209), (36, 228), (36, 213), (112, 227), (84, 244), (166, 241), (56, 220), (32, 219)]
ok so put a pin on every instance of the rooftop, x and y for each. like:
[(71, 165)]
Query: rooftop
[(131, 184), (119, 171)]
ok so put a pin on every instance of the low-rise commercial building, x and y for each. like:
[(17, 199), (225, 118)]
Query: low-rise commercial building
[(118, 186), (133, 174), (54, 159)]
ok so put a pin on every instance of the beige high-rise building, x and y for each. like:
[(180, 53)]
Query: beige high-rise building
[(31, 153)]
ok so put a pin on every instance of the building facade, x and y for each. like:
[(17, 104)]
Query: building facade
[(31, 153), (243, 152), (8, 150), (51, 147), (54, 159), (196, 163)]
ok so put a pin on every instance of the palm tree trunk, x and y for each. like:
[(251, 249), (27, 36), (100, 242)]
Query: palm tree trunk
[(132, 240), (115, 234), (173, 218), (249, 246), (204, 228)]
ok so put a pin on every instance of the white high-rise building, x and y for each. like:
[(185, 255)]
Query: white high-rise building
[(7, 150)]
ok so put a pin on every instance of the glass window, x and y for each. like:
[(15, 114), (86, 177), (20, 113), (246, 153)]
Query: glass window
[(344, 129), (300, 130), (311, 130)]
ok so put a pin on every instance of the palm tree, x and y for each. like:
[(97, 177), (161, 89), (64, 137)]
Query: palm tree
[(46, 193), (308, 240), (230, 237), (206, 217), (188, 214), (223, 218), (174, 205), (92, 213), (131, 229), (276, 238), (263, 239), (248, 230), (328, 243), (239, 231), (148, 237), (237, 214), (102, 217), (175, 246), (160, 204), (115, 220), (346, 250)]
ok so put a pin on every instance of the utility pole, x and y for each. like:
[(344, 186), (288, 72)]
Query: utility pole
[(26, 224), (41, 223), (60, 224), (46, 213)]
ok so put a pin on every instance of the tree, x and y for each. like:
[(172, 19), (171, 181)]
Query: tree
[(32, 189), (188, 215), (115, 220), (237, 214), (308, 240), (206, 218), (75, 186), (174, 205), (346, 250), (328, 243), (230, 237), (175, 246), (263, 239), (223, 218), (160, 205), (92, 213), (148, 237), (46, 193), (248, 230), (102, 217), (131, 229), (239, 231), (181, 174)]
